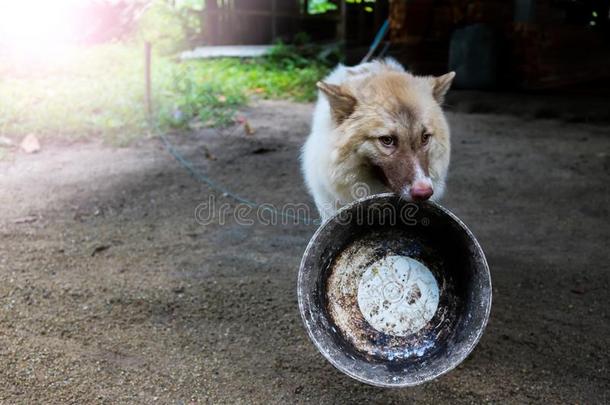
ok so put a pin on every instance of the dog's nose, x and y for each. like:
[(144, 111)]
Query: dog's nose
[(421, 191)]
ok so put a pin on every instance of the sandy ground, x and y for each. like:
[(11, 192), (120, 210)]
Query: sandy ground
[(112, 292)]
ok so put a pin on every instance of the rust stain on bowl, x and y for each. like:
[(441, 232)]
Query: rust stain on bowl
[(374, 297)]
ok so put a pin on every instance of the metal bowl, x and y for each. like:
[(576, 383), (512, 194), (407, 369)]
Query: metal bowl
[(394, 293)]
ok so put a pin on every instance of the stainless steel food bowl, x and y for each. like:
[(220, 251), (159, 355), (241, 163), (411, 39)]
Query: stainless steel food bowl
[(394, 293)]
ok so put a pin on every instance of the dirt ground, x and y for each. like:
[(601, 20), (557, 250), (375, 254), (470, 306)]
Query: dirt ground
[(112, 292)]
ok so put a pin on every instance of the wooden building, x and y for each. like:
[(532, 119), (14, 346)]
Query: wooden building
[(256, 22), (530, 44), (536, 43)]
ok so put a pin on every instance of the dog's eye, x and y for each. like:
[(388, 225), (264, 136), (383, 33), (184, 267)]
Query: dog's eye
[(387, 140), (425, 137)]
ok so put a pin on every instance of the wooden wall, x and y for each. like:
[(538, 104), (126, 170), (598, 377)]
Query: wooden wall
[(253, 22), (539, 44)]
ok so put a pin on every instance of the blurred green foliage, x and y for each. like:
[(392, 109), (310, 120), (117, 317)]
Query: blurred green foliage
[(209, 91), (303, 52), (324, 6), (99, 92), (95, 91), (162, 26), (320, 6), (170, 25)]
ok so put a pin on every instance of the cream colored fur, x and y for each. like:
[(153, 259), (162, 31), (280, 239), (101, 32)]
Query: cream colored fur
[(336, 159)]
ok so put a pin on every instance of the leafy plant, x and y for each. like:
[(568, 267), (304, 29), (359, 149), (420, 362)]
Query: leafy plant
[(99, 92), (166, 27), (303, 52), (210, 91), (320, 6)]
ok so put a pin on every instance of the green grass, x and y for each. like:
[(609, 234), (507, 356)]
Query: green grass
[(99, 92)]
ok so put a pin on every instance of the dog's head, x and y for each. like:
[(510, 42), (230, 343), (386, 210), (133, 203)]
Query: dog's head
[(393, 123)]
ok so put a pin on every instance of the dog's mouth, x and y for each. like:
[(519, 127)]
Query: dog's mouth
[(380, 174), (418, 191)]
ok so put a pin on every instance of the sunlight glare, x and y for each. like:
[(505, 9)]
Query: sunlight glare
[(36, 27)]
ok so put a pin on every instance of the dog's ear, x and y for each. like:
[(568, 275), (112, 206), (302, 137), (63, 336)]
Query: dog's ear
[(342, 103), (441, 85)]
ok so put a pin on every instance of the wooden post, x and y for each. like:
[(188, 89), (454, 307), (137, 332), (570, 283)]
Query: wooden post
[(147, 56), (273, 20), (341, 22), (525, 11), (211, 27)]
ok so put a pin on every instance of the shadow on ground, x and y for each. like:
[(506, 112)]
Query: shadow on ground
[(112, 291)]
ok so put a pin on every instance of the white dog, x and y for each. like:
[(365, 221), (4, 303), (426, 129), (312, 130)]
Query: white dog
[(377, 128)]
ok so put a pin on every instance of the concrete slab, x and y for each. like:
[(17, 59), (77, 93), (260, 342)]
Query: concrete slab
[(232, 51)]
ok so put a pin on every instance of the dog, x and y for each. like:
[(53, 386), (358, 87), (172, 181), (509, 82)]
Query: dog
[(377, 128)]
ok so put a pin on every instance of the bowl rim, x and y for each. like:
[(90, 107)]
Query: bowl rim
[(322, 347)]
